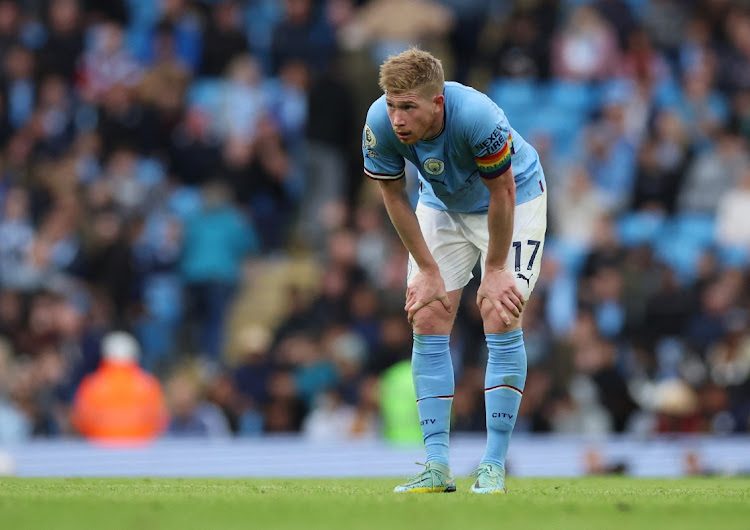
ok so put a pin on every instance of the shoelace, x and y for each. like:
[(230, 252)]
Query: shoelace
[(486, 470), (419, 475)]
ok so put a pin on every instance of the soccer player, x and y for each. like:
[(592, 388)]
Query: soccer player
[(482, 196)]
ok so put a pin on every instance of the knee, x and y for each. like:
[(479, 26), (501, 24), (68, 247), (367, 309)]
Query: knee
[(492, 321), (433, 319)]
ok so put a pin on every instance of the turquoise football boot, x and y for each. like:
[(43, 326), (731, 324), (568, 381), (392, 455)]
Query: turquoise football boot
[(490, 479), (436, 478)]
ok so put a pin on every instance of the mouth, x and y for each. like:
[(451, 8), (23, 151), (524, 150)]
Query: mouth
[(402, 135)]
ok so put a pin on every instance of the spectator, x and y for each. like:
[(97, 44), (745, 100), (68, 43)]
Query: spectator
[(106, 63), (194, 149), (168, 73), (712, 174), (610, 154), (641, 61), (729, 359), (701, 105), (735, 61), (19, 85), (245, 101), (301, 36), (258, 174), (662, 162), (666, 21), (585, 48), (331, 418), (576, 208), (618, 14), (54, 118), (224, 38), (15, 425), (124, 122), (252, 365), (191, 415), (10, 22), (65, 42), (523, 52), (387, 27), (108, 260), (596, 359), (330, 129), (179, 24), (16, 238), (731, 230), (120, 403), (216, 241)]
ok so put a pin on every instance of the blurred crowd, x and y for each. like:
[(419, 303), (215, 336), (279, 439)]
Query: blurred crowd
[(153, 153)]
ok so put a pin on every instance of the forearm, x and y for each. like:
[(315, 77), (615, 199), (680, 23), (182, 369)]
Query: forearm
[(406, 224), (500, 223)]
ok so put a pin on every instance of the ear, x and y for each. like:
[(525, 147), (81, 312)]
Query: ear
[(438, 102)]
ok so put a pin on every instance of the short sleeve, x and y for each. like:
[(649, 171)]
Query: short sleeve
[(492, 143), (382, 162)]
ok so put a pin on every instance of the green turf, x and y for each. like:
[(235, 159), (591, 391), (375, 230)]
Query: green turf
[(166, 504)]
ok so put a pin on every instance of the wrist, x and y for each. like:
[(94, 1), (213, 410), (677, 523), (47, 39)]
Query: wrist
[(495, 268), (429, 268)]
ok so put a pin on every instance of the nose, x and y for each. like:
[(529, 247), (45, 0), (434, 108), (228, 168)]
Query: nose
[(398, 118)]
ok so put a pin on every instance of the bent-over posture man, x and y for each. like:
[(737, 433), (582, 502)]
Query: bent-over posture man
[(482, 195)]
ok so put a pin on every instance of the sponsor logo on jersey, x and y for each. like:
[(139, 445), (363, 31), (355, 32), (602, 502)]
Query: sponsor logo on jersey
[(370, 141), (496, 141), (370, 153), (434, 166), (522, 277)]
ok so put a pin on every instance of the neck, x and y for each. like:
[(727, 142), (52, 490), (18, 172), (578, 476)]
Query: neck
[(437, 126)]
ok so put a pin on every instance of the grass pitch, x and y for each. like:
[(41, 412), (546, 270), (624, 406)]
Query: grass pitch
[(166, 504)]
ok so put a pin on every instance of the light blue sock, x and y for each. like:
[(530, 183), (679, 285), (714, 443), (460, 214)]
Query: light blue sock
[(432, 371), (503, 388)]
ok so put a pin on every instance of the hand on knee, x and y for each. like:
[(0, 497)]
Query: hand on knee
[(492, 321), (433, 319)]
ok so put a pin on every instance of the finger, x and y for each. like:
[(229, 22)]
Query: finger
[(413, 309), (503, 315), (409, 302), (508, 303), (518, 294), (480, 297), (446, 302), (515, 304)]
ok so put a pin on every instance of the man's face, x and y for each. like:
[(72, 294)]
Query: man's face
[(414, 117)]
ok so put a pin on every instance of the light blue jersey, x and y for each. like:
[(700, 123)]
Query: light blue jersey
[(476, 142)]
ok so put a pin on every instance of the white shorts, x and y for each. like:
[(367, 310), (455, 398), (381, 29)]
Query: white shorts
[(458, 240)]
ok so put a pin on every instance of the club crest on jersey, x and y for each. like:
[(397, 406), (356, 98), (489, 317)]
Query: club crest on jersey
[(434, 166), (370, 141)]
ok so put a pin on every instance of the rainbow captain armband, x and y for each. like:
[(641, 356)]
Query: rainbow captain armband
[(495, 164)]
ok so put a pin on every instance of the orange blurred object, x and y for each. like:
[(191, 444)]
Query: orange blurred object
[(120, 403)]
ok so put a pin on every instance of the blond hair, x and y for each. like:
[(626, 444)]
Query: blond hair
[(414, 70)]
